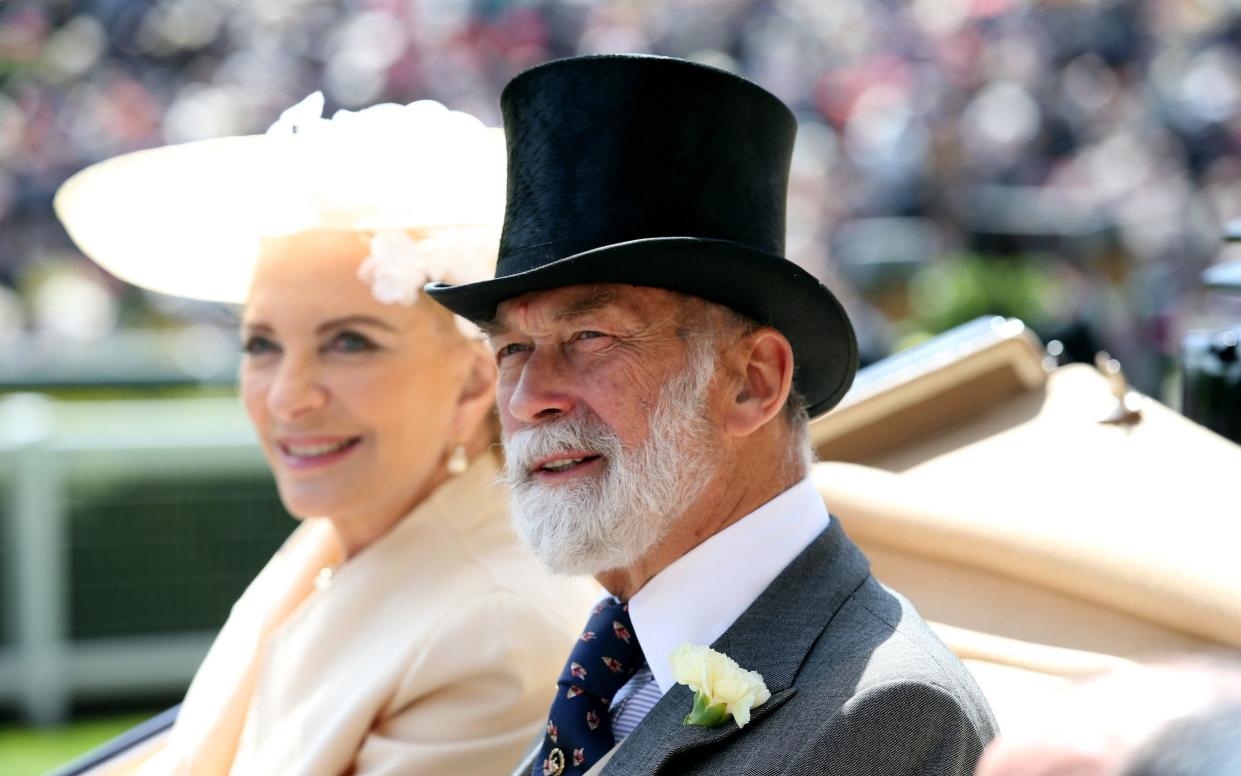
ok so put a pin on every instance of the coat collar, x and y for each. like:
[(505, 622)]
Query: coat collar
[(383, 564), (444, 509), (772, 637), (240, 679)]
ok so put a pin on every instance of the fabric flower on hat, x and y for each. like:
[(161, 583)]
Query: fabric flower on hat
[(301, 118), (400, 265), (364, 170), (370, 169), (397, 267), (722, 689)]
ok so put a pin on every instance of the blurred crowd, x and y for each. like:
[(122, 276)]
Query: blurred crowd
[(1067, 161)]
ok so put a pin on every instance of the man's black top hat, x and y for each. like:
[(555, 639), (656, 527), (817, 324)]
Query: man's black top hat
[(653, 171)]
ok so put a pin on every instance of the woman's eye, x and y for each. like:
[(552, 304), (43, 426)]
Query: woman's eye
[(257, 346), (351, 342)]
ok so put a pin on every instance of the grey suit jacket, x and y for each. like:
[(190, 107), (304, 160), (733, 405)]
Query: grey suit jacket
[(859, 686)]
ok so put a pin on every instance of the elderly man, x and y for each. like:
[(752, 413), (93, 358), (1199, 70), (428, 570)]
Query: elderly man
[(659, 361)]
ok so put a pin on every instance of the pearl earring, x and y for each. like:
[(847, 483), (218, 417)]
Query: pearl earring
[(458, 461)]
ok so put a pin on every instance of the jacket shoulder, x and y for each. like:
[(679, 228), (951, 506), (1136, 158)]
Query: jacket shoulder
[(899, 691), (902, 726)]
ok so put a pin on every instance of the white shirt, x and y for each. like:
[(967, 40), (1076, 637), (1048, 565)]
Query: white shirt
[(701, 594)]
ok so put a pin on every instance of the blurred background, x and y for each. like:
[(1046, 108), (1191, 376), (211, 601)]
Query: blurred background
[(1067, 162)]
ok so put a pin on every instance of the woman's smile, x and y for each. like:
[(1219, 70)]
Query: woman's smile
[(301, 453)]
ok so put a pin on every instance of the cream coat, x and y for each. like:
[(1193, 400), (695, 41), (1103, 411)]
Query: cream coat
[(434, 650)]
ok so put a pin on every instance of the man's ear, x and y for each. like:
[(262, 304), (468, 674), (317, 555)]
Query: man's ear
[(765, 362), (478, 392)]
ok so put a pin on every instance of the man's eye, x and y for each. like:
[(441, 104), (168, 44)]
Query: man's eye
[(351, 342), (589, 335), (257, 346), (511, 349)]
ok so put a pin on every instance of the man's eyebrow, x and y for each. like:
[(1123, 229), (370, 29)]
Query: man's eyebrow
[(595, 301), (491, 328), (591, 302)]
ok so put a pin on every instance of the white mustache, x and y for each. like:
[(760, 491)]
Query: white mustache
[(524, 448)]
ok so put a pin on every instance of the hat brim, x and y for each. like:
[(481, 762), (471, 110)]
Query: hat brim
[(770, 289), (188, 219), (178, 220)]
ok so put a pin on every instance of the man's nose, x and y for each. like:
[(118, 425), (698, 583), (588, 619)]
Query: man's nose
[(296, 390), (540, 391)]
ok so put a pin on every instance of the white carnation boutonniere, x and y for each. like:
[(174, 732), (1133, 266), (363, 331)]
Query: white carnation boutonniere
[(722, 689)]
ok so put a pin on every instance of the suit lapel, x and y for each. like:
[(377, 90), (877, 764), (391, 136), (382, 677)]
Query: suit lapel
[(772, 637)]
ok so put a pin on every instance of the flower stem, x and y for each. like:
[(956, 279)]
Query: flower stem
[(705, 714)]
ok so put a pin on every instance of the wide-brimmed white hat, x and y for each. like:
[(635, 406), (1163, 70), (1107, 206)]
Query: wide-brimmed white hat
[(188, 219)]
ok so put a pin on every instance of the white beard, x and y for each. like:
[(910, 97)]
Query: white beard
[(608, 521)]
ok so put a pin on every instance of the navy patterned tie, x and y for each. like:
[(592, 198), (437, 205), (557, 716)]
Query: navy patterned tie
[(579, 728)]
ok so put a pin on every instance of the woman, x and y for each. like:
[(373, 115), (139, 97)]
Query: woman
[(401, 628)]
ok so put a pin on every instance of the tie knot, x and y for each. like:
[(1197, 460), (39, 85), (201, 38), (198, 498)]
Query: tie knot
[(606, 654), (610, 620)]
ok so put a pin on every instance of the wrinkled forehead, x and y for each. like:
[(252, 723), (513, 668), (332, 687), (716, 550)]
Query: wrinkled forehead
[(614, 301)]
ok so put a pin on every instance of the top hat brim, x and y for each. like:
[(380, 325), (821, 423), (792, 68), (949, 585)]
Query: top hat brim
[(769, 289)]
